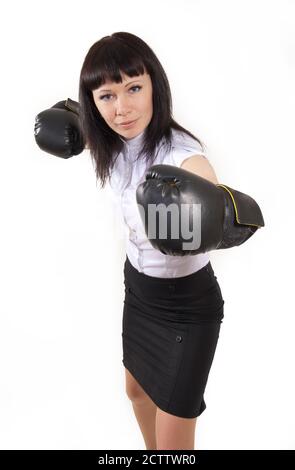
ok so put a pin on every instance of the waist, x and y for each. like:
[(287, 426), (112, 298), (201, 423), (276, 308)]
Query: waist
[(153, 263), (162, 286)]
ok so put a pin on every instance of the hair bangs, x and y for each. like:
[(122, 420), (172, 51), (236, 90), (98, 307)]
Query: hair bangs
[(110, 62)]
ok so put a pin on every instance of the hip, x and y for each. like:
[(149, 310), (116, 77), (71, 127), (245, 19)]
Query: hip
[(194, 298)]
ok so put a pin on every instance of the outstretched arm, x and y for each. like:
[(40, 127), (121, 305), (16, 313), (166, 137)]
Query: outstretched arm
[(200, 166)]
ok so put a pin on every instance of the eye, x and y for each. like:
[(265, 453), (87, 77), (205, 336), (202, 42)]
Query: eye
[(135, 86)]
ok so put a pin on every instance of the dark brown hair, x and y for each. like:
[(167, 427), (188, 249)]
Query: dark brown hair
[(106, 60)]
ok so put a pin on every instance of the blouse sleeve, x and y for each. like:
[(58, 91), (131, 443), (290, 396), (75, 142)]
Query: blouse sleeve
[(185, 148)]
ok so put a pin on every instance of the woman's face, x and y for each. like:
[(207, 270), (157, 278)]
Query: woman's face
[(123, 102)]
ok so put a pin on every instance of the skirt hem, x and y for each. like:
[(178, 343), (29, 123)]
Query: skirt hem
[(158, 402)]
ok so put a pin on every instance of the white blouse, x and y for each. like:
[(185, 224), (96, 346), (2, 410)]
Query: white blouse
[(126, 175)]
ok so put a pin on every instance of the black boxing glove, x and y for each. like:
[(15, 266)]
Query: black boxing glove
[(185, 214), (58, 131)]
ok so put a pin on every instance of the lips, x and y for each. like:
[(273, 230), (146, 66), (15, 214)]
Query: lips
[(124, 123)]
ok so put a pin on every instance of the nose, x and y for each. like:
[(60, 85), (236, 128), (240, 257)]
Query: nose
[(122, 106)]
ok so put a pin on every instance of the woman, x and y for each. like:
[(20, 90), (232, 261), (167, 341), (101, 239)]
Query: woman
[(173, 305)]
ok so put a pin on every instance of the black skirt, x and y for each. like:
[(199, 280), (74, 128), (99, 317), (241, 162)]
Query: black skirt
[(169, 336)]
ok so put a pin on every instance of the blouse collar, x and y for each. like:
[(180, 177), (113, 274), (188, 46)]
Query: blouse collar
[(135, 143)]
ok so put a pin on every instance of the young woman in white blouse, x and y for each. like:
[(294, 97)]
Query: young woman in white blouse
[(173, 306), (125, 99)]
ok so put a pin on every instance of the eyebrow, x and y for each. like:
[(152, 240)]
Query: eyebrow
[(99, 91)]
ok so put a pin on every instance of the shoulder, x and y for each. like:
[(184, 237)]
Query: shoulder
[(182, 140), (188, 154), (183, 146)]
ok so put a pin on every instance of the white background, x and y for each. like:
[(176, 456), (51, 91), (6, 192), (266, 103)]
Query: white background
[(231, 68)]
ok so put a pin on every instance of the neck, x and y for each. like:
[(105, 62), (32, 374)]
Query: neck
[(134, 141)]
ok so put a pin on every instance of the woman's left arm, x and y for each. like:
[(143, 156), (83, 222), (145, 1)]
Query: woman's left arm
[(200, 166)]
